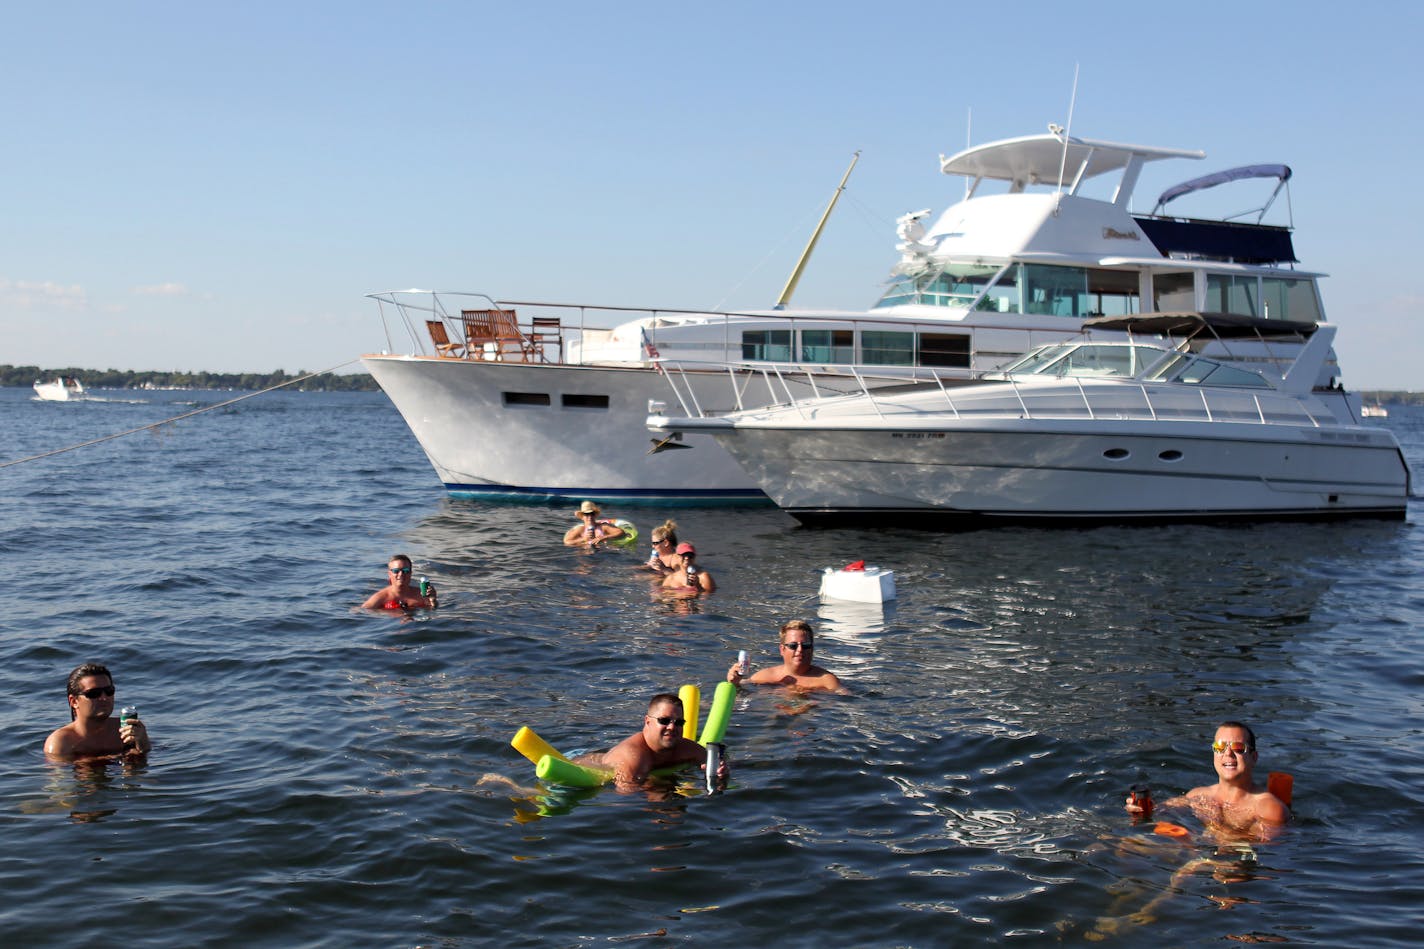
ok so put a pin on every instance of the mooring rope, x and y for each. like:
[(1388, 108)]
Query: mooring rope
[(176, 418)]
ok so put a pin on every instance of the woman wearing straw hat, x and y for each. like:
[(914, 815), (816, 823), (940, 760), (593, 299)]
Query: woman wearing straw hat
[(591, 530)]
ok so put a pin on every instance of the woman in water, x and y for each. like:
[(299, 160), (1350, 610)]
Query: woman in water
[(664, 559), (591, 529)]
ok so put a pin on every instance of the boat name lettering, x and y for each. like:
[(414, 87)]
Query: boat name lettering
[(1113, 234), (917, 434)]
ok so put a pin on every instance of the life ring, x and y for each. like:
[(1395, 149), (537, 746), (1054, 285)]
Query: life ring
[(629, 536)]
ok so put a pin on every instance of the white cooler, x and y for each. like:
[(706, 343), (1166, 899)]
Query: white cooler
[(871, 585)]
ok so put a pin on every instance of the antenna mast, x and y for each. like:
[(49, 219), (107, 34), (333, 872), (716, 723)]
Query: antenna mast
[(790, 287)]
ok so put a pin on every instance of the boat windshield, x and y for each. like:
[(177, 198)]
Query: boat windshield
[(1123, 360), (1191, 370)]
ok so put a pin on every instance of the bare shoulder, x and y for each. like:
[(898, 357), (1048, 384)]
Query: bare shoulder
[(60, 742), (1270, 808)]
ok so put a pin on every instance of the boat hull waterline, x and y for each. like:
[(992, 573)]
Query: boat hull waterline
[(1072, 472)]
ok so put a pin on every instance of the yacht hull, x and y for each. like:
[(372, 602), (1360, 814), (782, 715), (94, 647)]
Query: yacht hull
[(542, 431), (1073, 472)]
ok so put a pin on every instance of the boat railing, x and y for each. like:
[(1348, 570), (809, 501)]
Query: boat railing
[(434, 323), (803, 388)]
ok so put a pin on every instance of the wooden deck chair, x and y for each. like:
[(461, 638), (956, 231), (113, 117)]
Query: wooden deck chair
[(441, 339), (544, 330), (493, 334)]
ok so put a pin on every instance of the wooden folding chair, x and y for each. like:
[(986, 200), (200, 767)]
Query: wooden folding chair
[(441, 339), (544, 330), (493, 334)]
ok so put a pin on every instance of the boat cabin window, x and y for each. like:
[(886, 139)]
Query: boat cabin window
[(1049, 290), (828, 346), (1024, 288), (1278, 298), (1173, 292), (956, 285), (526, 398), (944, 349), (886, 348), (767, 345), (578, 400), (1233, 293), (1290, 298)]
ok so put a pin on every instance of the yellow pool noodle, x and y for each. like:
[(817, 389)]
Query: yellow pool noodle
[(531, 746), (691, 697)]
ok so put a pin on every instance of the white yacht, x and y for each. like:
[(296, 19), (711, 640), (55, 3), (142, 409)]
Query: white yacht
[(521, 399), (62, 389), (1134, 429)]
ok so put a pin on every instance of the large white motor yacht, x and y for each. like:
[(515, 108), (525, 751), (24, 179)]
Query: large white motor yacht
[(521, 399), (1144, 427)]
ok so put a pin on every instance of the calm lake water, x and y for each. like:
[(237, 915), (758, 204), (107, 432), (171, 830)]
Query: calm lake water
[(327, 777)]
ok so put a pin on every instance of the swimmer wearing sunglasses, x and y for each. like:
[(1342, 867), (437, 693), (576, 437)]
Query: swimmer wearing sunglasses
[(94, 730), (797, 646), (659, 745), (1234, 806)]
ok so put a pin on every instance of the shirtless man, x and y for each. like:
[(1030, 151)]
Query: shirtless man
[(659, 745), (591, 530), (94, 730), (689, 578), (400, 593), (796, 670), (1234, 804)]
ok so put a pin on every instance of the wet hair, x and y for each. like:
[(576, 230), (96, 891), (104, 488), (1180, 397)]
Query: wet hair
[(662, 697), (797, 624), (405, 557), (81, 673), (1250, 735), (667, 529)]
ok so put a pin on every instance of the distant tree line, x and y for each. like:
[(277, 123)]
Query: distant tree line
[(129, 379)]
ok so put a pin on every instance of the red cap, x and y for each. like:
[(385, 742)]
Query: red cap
[(686, 549)]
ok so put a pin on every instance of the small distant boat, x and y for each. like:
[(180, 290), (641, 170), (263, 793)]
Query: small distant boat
[(1374, 411), (62, 389)]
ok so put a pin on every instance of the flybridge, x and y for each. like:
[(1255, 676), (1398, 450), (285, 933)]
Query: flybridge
[(1067, 164), (1054, 160)]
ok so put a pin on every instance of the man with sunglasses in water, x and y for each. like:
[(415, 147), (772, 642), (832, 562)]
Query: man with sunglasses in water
[(659, 745), (399, 593), (1234, 803), (94, 730), (798, 642)]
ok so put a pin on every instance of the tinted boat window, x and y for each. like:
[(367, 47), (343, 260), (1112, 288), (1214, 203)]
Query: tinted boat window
[(579, 401), (881, 348), (526, 398), (944, 349), (768, 345)]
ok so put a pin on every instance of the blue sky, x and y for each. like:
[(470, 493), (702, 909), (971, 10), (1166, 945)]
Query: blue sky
[(188, 186)]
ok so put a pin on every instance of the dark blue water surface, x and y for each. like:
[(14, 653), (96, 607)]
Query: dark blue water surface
[(327, 777)]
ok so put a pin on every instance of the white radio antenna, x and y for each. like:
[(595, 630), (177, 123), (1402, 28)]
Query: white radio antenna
[(1072, 101)]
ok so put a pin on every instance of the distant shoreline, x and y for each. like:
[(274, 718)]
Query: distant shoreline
[(148, 380)]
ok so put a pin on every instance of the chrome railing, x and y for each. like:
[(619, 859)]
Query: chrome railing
[(800, 387)]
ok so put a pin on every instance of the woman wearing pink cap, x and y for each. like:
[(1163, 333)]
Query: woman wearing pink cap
[(690, 578)]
